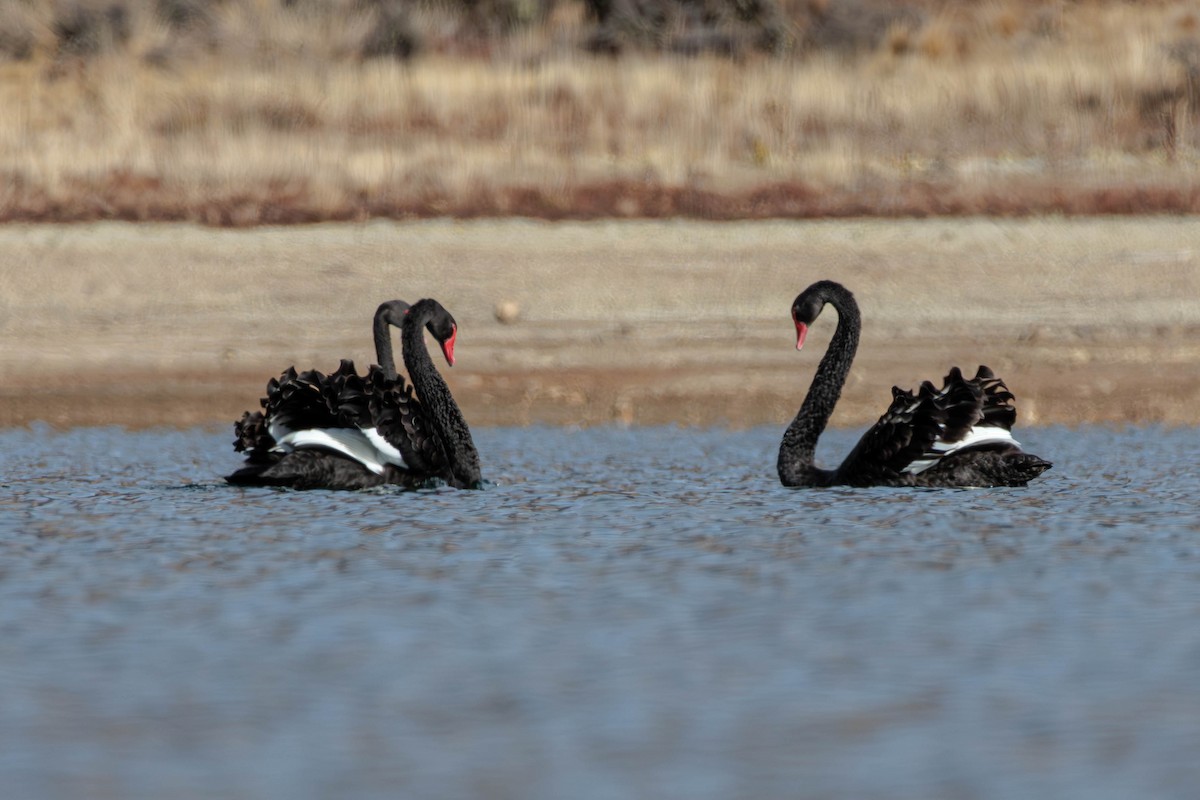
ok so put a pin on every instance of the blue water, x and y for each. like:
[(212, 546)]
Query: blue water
[(626, 613)]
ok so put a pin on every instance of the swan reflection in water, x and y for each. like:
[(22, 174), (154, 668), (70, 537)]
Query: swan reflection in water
[(346, 431), (959, 435)]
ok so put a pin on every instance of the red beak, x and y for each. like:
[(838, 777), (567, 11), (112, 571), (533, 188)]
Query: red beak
[(801, 332), (448, 346)]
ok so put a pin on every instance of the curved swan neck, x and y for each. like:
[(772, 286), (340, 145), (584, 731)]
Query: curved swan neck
[(384, 356), (391, 313), (799, 444), (444, 415)]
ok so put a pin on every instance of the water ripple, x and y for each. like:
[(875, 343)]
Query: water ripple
[(623, 613)]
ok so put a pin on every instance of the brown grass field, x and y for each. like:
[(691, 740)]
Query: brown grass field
[(1003, 108), (1089, 320)]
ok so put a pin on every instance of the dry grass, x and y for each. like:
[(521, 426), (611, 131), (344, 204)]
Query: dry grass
[(1005, 107)]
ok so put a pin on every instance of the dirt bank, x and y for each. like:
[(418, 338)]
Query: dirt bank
[(1088, 320)]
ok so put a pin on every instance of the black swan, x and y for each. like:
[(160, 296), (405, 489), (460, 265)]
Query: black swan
[(346, 431), (959, 435)]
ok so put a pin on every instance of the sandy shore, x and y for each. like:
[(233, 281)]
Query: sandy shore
[(1087, 320)]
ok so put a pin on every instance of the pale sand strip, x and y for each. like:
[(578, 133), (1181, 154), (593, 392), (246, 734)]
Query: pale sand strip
[(634, 322)]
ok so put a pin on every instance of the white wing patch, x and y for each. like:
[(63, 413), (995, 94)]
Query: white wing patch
[(384, 447), (366, 446), (975, 437)]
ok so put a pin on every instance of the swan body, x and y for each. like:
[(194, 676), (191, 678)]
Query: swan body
[(346, 431), (958, 435)]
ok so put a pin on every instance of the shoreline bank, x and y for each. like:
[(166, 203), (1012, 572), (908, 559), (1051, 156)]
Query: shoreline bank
[(1092, 320)]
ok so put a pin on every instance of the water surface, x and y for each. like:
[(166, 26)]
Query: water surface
[(626, 613)]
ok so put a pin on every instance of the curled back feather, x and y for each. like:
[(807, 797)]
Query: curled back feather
[(401, 419), (254, 439), (914, 425), (343, 399)]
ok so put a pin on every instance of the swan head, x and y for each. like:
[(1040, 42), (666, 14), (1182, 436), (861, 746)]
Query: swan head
[(437, 321), (445, 330), (392, 312), (808, 304), (805, 310)]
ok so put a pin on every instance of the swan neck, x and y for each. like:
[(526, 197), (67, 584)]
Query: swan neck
[(796, 453), (384, 356), (445, 417)]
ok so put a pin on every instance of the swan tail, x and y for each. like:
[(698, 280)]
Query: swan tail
[(254, 439), (996, 465), (1028, 464)]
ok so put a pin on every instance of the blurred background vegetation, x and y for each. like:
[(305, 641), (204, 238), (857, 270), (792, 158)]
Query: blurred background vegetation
[(248, 111), (364, 29)]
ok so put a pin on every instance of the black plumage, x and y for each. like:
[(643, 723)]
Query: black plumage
[(426, 440), (958, 435)]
